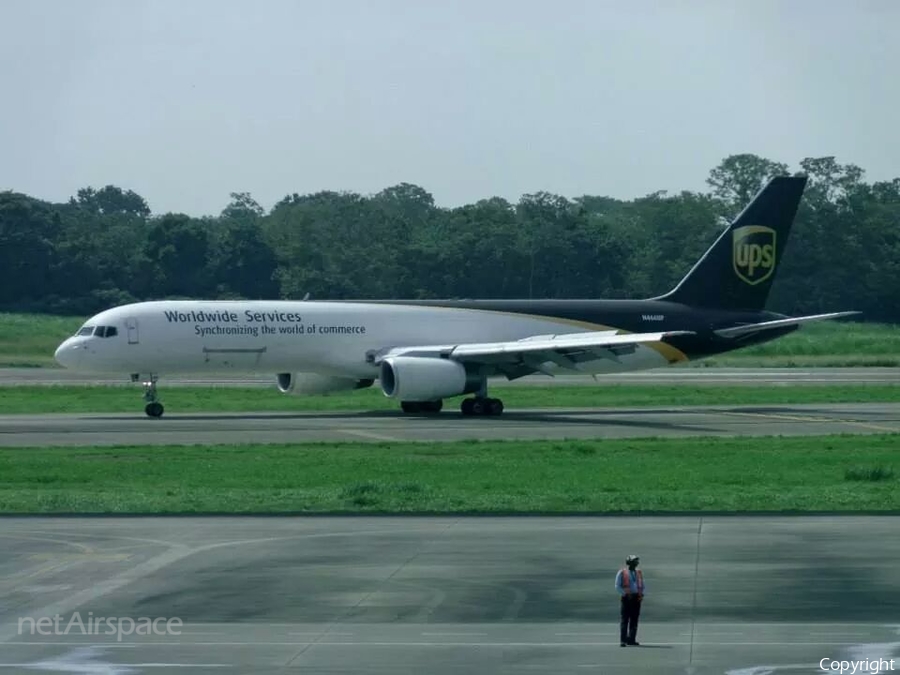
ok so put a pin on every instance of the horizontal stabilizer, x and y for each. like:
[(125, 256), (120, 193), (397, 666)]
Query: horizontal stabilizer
[(738, 331)]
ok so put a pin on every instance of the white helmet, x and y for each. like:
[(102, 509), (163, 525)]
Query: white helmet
[(632, 560)]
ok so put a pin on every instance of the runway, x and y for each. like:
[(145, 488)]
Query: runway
[(174, 428), (728, 595), (674, 375)]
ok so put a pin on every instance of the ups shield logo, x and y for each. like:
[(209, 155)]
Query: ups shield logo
[(754, 253)]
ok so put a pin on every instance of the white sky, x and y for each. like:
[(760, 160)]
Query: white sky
[(184, 101)]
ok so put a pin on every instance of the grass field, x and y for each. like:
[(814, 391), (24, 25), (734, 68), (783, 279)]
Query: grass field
[(825, 344), (29, 341), (79, 399), (841, 473)]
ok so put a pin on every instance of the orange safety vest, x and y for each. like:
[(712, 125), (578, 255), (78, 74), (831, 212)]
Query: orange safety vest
[(626, 581)]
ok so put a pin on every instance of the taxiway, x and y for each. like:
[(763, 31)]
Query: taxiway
[(211, 428), (725, 595), (673, 376)]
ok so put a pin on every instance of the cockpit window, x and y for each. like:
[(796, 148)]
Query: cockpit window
[(105, 331), (98, 331)]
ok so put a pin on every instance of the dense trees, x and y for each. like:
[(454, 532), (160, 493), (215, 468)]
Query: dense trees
[(104, 247)]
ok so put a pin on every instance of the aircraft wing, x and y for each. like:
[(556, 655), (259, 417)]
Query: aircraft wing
[(739, 331), (530, 353)]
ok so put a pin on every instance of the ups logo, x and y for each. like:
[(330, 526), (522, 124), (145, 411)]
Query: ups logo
[(754, 253)]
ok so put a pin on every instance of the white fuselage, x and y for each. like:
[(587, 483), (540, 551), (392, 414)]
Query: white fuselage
[(331, 338)]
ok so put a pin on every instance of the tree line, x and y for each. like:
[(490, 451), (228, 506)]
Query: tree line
[(105, 247)]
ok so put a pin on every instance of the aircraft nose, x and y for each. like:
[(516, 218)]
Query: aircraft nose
[(67, 354)]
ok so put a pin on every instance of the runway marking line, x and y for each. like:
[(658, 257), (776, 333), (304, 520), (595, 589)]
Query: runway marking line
[(869, 425), (375, 643), (65, 542), (15, 580), (104, 666), (82, 557), (818, 420)]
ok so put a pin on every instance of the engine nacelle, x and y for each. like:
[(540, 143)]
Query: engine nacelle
[(412, 378), (314, 383)]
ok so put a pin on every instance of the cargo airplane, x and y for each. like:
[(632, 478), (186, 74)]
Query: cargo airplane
[(424, 351)]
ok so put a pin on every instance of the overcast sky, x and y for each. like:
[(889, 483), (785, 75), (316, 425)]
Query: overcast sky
[(184, 101)]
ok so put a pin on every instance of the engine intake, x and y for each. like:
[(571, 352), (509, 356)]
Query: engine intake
[(412, 378)]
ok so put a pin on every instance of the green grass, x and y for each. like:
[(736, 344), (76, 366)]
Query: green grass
[(99, 398), (29, 340), (608, 476), (821, 344), (869, 473)]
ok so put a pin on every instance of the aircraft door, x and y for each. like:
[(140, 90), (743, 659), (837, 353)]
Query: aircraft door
[(131, 325)]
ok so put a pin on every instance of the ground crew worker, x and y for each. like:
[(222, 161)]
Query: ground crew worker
[(630, 585)]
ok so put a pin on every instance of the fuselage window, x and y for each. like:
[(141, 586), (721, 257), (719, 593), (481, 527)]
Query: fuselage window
[(111, 331)]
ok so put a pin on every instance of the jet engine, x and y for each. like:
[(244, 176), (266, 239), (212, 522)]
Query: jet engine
[(412, 378), (314, 383)]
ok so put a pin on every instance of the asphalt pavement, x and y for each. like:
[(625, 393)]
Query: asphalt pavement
[(725, 595)]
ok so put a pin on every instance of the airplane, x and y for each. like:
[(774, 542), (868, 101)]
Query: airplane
[(424, 351)]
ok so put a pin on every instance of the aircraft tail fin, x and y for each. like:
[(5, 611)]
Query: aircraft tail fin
[(737, 271)]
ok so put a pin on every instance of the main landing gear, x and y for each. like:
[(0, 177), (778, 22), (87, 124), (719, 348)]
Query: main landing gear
[(481, 405), (153, 407), (421, 406)]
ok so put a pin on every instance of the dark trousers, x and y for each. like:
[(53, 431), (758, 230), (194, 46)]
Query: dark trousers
[(631, 611)]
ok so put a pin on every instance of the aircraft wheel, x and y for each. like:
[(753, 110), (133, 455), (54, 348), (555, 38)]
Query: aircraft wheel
[(154, 409), (410, 406), (422, 406), (481, 406)]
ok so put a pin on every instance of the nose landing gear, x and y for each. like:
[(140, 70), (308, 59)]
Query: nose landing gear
[(153, 407)]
